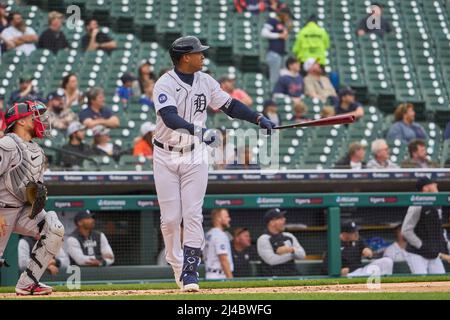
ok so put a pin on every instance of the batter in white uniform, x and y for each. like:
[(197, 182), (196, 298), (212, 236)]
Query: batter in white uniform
[(182, 96), (217, 252), (22, 161)]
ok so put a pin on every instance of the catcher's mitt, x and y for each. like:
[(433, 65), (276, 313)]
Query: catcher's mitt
[(36, 196)]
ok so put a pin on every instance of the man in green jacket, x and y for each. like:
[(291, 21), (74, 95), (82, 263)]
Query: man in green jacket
[(312, 42)]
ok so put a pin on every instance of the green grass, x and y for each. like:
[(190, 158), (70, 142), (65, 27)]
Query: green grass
[(246, 284), (274, 296)]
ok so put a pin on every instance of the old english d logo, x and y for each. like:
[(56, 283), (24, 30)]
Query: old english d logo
[(200, 103)]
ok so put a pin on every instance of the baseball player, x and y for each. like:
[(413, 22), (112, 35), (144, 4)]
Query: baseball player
[(180, 157), (217, 253), (21, 177), (422, 229)]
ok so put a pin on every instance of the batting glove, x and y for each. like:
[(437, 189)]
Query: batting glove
[(265, 123), (211, 137)]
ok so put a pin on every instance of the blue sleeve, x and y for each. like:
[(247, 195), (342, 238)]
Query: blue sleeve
[(280, 86), (106, 113), (394, 132), (173, 121), (238, 110), (83, 116), (447, 132)]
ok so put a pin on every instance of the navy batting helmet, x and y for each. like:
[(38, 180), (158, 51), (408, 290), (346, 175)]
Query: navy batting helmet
[(185, 45)]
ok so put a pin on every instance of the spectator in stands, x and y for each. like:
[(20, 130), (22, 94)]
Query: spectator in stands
[(270, 111), (354, 158), (374, 22), (300, 109), (380, 153), (423, 230), (144, 144), (353, 249), (404, 128), (26, 90), (228, 85), (217, 252), (277, 249), (145, 74), (18, 35), (53, 38), (76, 133), (147, 96), (275, 5), (316, 84), (4, 23), (86, 246), (60, 118), (252, 6), (276, 30), (97, 113), (243, 253), (72, 95), (94, 39), (418, 156), (290, 82), (102, 143), (327, 111), (347, 104), (396, 251), (26, 244), (312, 41), (243, 161), (447, 131), (125, 91)]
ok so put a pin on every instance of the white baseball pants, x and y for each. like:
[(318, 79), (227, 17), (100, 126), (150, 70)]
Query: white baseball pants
[(419, 265), (181, 186), (386, 266)]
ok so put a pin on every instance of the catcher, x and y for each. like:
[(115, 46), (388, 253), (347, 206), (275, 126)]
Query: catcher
[(23, 195)]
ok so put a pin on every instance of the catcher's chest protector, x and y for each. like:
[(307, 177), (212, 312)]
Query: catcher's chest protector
[(29, 167)]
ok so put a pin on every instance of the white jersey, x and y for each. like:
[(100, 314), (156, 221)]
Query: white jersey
[(190, 101), (217, 243), (395, 252)]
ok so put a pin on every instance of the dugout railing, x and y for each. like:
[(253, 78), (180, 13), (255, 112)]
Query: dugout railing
[(377, 212)]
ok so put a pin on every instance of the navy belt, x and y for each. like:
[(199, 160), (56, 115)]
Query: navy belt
[(175, 149)]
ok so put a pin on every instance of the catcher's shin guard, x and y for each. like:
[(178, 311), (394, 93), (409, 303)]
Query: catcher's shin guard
[(44, 250)]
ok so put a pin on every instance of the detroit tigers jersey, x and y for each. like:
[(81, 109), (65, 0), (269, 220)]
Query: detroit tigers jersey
[(217, 243), (191, 103)]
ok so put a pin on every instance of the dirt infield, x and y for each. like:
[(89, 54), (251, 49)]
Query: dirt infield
[(443, 286)]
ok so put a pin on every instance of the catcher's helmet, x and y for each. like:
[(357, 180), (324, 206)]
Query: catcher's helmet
[(185, 45), (24, 109)]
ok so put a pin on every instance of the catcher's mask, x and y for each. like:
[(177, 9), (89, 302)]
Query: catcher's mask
[(37, 109)]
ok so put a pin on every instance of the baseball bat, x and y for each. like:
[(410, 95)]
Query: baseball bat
[(330, 121)]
